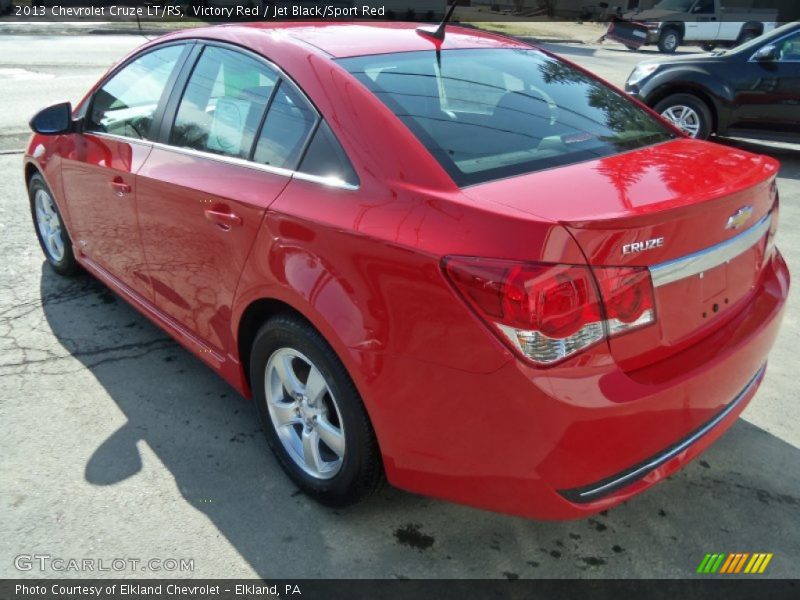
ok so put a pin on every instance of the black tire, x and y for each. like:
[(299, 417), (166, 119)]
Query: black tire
[(633, 48), (361, 471), (66, 265), (669, 40), (708, 46), (696, 104)]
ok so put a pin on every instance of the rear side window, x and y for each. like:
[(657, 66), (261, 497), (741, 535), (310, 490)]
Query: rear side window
[(126, 104), (325, 158), (223, 103), (489, 114), (288, 124)]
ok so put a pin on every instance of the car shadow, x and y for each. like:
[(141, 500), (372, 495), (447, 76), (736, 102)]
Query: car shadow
[(743, 495)]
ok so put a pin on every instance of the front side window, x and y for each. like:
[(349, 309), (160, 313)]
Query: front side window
[(704, 7), (126, 104), (488, 114), (789, 49), (223, 104)]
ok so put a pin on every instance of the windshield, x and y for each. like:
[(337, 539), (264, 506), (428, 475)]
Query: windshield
[(489, 114), (678, 5)]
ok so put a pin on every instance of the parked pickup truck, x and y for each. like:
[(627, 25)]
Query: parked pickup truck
[(707, 23)]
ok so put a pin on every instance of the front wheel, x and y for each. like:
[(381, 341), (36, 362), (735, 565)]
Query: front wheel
[(50, 229), (688, 113), (312, 414), (669, 41)]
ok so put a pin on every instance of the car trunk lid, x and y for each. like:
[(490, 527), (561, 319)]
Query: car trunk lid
[(695, 213)]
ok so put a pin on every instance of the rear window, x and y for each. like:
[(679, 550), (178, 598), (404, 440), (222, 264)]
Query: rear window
[(489, 114)]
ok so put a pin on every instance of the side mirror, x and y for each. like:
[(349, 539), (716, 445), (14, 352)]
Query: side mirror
[(767, 53), (53, 120)]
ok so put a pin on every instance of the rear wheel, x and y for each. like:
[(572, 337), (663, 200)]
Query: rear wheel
[(312, 415), (688, 113), (669, 41), (50, 229)]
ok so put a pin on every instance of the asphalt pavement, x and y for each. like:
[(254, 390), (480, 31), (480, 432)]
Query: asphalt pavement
[(116, 443)]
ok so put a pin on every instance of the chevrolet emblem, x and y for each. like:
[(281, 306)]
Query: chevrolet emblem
[(740, 217)]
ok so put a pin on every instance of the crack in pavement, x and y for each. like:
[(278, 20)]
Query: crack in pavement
[(157, 344), (27, 353)]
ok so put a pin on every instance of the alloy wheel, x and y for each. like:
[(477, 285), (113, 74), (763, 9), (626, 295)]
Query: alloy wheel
[(304, 413), (49, 224), (685, 118)]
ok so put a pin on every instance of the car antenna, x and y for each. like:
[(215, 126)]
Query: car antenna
[(438, 34)]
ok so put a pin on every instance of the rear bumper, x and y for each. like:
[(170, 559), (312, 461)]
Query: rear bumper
[(576, 439), (632, 34), (609, 485)]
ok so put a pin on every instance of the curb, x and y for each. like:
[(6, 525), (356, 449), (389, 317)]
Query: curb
[(132, 31)]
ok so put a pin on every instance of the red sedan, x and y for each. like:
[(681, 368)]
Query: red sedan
[(467, 265)]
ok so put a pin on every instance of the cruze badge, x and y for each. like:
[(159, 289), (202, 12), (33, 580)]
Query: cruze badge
[(740, 217), (642, 246)]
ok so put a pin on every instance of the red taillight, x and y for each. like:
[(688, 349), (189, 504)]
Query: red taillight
[(627, 296), (557, 301), (550, 312)]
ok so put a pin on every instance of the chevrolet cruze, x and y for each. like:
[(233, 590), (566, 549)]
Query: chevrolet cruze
[(463, 265)]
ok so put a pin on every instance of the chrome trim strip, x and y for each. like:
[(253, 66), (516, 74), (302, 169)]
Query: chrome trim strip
[(704, 260), (119, 138), (607, 486), (239, 162), (231, 160), (329, 181)]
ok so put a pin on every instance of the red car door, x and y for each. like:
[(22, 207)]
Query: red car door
[(203, 193), (100, 164)]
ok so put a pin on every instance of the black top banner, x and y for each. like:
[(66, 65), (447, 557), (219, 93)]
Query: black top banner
[(702, 12)]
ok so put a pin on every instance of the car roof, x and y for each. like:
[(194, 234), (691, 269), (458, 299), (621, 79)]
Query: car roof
[(341, 40)]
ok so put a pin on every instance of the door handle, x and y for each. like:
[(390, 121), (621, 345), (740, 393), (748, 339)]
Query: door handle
[(120, 187), (223, 218)]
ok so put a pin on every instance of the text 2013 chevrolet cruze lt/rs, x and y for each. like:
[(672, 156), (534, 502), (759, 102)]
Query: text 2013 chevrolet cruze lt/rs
[(470, 266)]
